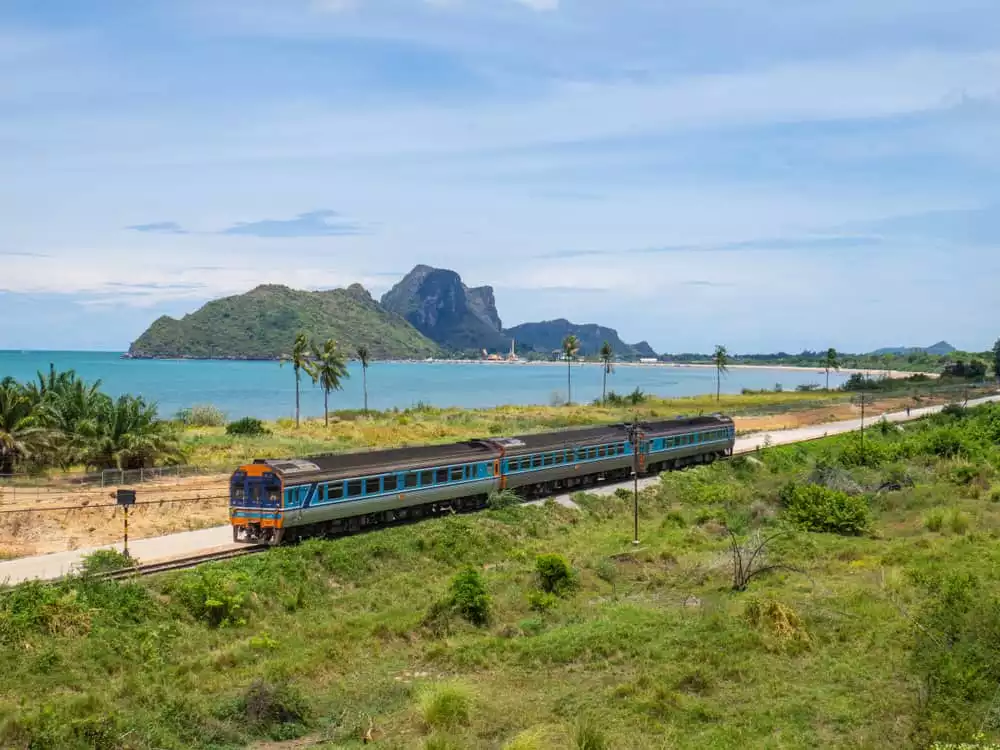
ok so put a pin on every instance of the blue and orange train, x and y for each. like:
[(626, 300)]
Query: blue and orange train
[(275, 500)]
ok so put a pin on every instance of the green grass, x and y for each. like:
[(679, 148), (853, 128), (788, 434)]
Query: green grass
[(649, 648), (211, 446)]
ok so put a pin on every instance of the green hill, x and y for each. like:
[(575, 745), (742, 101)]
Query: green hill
[(263, 323)]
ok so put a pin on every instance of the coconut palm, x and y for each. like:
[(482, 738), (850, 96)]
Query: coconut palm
[(830, 363), (721, 361), (607, 354), (365, 358), (127, 434), (570, 347), (23, 435), (73, 409), (327, 368), (299, 360)]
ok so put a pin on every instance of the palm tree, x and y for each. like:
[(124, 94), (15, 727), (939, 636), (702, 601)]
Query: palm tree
[(327, 368), (128, 434), (22, 432), (365, 358), (74, 409), (607, 353), (721, 360), (300, 360), (571, 346), (831, 363)]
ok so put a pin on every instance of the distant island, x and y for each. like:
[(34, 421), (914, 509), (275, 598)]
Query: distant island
[(432, 314), (429, 313)]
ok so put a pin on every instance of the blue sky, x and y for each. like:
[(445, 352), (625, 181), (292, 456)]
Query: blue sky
[(765, 174)]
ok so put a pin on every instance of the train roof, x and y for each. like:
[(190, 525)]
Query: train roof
[(359, 463), (374, 461)]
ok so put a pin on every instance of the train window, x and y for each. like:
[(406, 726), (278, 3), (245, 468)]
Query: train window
[(372, 485), (548, 459), (335, 491), (238, 493), (389, 483), (560, 457), (457, 473), (410, 480), (441, 476), (426, 478), (354, 488)]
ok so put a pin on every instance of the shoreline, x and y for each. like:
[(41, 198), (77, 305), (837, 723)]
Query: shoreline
[(871, 372)]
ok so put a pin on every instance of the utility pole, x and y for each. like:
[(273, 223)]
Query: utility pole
[(125, 498), (635, 437)]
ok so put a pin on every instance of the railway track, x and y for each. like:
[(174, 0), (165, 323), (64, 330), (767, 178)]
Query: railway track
[(180, 563)]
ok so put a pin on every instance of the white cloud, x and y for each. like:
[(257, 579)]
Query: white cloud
[(540, 4)]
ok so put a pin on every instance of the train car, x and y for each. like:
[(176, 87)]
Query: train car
[(275, 500)]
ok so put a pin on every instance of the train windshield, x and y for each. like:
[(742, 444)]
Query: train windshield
[(255, 492)]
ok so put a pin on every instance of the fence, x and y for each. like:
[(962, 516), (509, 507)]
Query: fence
[(33, 488)]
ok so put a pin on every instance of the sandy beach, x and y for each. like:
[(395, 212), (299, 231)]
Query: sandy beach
[(687, 365)]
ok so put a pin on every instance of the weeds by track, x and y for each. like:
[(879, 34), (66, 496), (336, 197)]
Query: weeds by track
[(181, 563)]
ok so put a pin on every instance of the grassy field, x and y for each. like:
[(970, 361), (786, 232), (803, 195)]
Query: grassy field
[(543, 627), (211, 446)]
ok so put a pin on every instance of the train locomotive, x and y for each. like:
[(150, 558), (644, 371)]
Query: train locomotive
[(283, 500)]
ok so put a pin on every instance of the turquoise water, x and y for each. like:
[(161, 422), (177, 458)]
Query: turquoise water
[(267, 390)]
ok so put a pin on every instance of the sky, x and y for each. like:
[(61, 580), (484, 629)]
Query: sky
[(764, 174)]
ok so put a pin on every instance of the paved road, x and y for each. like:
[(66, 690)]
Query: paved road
[(221, 537)]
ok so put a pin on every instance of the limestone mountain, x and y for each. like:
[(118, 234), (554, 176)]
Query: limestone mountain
[(441, 307), (263, 323), (547, 337)]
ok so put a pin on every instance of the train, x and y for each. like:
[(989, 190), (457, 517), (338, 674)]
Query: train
[(275, 501)]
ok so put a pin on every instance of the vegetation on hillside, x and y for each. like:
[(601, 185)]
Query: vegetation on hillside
[(60, 420), (868, 624), (262, 324)]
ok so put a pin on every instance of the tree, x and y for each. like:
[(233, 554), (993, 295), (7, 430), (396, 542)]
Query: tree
[(830, 363), (996, 359), (607, 354), (328, 368), (22, 433), (721, 361), (127, 434), (365, 358), (300, 360), (571, 347)]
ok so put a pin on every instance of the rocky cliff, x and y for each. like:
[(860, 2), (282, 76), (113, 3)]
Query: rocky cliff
[(441, 307)]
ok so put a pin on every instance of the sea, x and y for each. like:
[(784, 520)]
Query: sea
[(267, 390)]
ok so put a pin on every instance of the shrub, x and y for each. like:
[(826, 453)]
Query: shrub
[(954, 655), (211, 596), (958, 522), (202, 415), (542, 601), (470, 598), (816, 508), (555, 576), (934, 521), (265, 706), (106, 561), (530, 739), (444, 706), (248, 426), (503, 499)]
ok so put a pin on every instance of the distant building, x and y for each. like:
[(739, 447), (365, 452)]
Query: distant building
[(648, 360)]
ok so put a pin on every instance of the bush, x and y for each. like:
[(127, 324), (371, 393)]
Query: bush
[(555, 576), (212, 596), (955, 654), (203, 415), (470, 598), (934, 521), (816, 508), (958, 522), (248, 426), (542, 601), (503, 499), (106, 561), (444, 706), (266, 706)]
